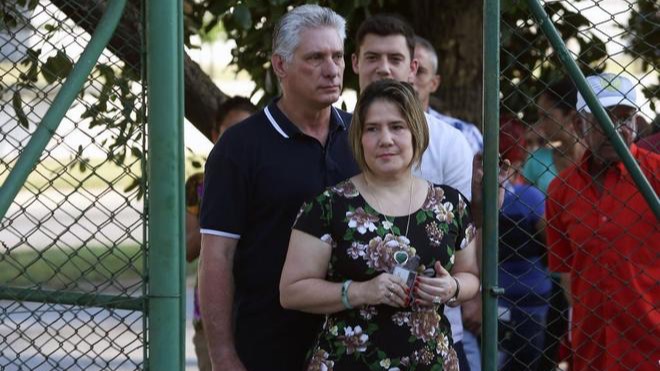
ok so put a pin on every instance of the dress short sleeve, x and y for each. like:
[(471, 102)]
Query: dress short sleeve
[(315, 217)]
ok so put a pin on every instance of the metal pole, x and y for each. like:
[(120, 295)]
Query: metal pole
[(32, 152), (599, 112), (490, 291), (165, 159)]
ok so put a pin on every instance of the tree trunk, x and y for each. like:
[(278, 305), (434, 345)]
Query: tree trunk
[(202, 96), (455, 28)]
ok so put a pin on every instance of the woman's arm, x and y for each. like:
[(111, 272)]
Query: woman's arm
[(303, 285)]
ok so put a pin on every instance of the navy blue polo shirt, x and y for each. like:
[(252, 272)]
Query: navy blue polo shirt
[(256, 179)]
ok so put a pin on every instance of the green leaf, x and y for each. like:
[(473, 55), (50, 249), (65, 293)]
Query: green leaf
[(17, 104), (134, 184), (242, 16), (420, 217), (56, 67), (348, 236)]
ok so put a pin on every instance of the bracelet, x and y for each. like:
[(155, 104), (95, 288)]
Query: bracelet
[(458, 287), (344, 294), (458, 290)]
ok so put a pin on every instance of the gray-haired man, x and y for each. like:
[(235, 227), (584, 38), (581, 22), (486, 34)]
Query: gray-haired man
[(257, 177)]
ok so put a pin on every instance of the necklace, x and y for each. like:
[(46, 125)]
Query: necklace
[(390, 224)]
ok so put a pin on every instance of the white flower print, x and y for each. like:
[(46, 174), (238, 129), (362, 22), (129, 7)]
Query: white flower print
[(356, 250), (368, 312), (355, 340), (346, 189), (385, 363), (361, 220), (470, 233), (328, 239)]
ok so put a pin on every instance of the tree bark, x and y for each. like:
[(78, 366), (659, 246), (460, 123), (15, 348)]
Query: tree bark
[(455, 28), (202, 96)]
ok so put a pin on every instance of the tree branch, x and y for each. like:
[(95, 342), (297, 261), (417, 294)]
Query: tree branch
[(202, 96)]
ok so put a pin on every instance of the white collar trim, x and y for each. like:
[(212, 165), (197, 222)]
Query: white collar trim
[(274, 123)]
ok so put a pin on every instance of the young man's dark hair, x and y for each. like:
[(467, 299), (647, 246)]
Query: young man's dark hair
[(563, 94), (232, 104), (385, 25)]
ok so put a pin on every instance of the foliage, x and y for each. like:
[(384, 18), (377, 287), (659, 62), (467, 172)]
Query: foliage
[(115, 88), (528, 63), (643, 33)]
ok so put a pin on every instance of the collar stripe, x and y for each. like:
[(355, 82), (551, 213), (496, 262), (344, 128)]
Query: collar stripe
[(282, 133), (274, 123)]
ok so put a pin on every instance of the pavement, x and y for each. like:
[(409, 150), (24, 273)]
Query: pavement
[(44, 337)]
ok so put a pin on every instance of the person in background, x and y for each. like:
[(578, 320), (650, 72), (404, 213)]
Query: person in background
[(556, 116), (428, 80), (385, 46), (231, 112), (604, 239), (556, 113), (257, 176), (651, 141), (353, 244), (523, 273)]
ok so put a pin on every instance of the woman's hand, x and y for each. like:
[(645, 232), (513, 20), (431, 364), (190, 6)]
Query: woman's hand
[(430, 291), (385, 289)]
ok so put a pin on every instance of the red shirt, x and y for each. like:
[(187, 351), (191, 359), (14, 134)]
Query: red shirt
[(610, 244)]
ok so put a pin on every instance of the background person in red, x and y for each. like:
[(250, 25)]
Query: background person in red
[(605, 241)]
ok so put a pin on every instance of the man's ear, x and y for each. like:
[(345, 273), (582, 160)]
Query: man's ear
[(279, 65), (354, 63), (580, 124), (414, 65), (435, 83)]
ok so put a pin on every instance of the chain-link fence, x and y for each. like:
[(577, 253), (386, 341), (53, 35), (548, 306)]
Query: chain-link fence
[(579, 247), (72, 262)]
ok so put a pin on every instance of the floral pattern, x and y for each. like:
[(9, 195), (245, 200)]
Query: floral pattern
[(364, 243)]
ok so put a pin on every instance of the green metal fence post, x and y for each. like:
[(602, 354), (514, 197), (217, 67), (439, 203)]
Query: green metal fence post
[(165, 114), (599, 112), (70, 89), (490, 290)]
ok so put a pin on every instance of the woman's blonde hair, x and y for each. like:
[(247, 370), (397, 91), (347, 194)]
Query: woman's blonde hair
[(402, 95)]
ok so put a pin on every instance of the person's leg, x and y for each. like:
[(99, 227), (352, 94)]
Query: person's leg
[(463, 364), (472, 350), (522, 344)]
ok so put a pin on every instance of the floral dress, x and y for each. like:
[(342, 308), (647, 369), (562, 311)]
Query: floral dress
[(364, 243)]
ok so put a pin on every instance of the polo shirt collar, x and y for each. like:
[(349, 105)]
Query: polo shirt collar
[(288, 129)]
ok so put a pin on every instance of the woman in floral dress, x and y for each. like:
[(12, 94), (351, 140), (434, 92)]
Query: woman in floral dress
[(381, 253)]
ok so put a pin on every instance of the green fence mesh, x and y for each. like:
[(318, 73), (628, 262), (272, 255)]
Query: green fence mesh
[(542, 134), (73, 241)]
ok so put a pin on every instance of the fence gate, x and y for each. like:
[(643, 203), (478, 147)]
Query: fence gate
[(90, 269), (537, 54)]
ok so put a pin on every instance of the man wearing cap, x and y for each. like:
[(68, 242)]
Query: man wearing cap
[(605, 241)]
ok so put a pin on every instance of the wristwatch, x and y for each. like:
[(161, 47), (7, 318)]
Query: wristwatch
[(454, 298)]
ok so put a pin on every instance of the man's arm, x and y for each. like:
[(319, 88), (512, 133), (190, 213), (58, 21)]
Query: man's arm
[(216, 294)]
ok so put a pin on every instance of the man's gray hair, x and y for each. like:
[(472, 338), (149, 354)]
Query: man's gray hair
[(425, 44), (287, 31)]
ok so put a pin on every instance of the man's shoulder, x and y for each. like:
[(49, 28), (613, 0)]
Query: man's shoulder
[(438, 126), (344, 117)]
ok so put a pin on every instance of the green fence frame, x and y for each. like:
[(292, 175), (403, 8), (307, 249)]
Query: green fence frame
[(166, 202), (165, 300)]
